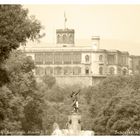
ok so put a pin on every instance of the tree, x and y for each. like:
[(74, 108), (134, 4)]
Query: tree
[(20, 100), (16, 27), (115, 106), (120, 116), (100, 94), (32, 122), (19, 70), (5, 95), (49, 81)]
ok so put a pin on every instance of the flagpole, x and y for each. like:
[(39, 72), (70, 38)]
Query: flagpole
[(65, 20)]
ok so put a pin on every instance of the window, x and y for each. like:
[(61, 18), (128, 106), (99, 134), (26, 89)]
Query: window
[(39, 58), (67, 58), (111, 70), (120, 60), (124, 60), (57, 70), (111, 59), (76, 58), (58, 39), (124, 71), (138, 66), (76, 70), (87, 71), (37, 72), (100, 57), (70, 121), (101, 70), (58, 58), (48, 71), (71, 39), (87, 58), (40, 71), (119, 71), (64, 38), (67, 70), (130, 64), (49, 58)]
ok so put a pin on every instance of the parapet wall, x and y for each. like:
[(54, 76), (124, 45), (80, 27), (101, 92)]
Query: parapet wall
[(78, 80), (74, 80), (82, 81)]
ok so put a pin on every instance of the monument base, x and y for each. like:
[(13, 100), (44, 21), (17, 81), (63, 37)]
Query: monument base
[(74, 127), (74, 123)]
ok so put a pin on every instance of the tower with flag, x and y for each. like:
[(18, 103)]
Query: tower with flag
[(65, 37)]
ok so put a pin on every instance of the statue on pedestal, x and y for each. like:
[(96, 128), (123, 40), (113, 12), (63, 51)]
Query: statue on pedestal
[(75, 101)]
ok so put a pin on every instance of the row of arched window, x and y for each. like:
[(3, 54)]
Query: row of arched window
[(58, 70), (75, 71), (111, 59), (65, 38), (87, 58), (100, 70), (111, 71)]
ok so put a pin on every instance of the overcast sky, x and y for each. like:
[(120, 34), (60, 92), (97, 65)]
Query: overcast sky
[(117, 25)]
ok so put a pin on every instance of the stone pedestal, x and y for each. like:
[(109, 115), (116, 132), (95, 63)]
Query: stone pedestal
[(74, 124), (74, 127)]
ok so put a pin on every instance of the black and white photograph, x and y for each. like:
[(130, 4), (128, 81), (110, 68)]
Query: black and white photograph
[(69, 70)]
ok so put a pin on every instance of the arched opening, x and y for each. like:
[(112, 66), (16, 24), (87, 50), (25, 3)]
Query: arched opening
[(57, 70), (70, 39), (111, 71), (87, 71), (119, 71), (124, 71), (64, 38), (48, 71), (87, 58), (101, 58), (58, 39), (76, 70)]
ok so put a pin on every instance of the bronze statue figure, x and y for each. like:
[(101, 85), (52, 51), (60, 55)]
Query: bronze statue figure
[(75, 101)]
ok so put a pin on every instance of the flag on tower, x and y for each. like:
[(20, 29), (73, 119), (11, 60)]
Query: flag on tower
[(65, 17)]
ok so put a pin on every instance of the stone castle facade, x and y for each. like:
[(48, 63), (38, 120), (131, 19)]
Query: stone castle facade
[(71, 64)]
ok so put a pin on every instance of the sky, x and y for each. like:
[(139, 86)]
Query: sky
[(117, 25)]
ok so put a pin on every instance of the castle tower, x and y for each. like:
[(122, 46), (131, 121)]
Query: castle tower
[(95, 42), (65, 37)]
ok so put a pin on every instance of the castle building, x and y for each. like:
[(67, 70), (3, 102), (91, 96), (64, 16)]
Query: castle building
[(71, 64)]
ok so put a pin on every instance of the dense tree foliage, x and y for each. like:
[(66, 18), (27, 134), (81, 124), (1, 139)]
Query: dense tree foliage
[(15, 28), (115, 106), (20, 100), (17, 82), (49, 81), (120, 116), (19, 69)]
